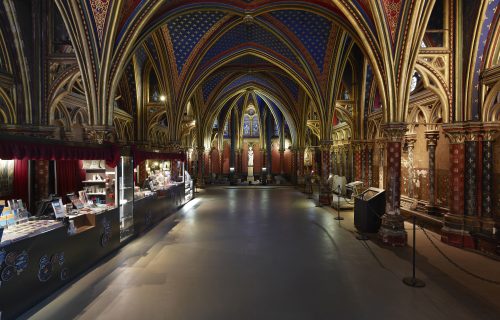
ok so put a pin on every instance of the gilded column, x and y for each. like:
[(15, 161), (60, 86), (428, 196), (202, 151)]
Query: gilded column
[(392, 229), (294, 165), (410, 140), (370, 163), (487, 221), (357, 161), (335, 165), (381, 146), (363, 163), (210, 169), (221, 161), (432, 138), (201, 167), (324, 196), (237, 156), (300, 162), (340, 166), (345, 156), (282, 161)]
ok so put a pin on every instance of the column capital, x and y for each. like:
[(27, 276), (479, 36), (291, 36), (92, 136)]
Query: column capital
[(99, 134), (432, 137), (380, 142), (394, 131), (410, 139), (490, 131), (200, 150), (370, 145)]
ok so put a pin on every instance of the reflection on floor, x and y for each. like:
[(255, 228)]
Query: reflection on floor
[(269, 253)]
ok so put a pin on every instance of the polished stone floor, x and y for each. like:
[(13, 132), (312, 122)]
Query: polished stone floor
[(263, 253)]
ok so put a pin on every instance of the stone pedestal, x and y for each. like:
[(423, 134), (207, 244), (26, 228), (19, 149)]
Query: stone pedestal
[(250, 177)]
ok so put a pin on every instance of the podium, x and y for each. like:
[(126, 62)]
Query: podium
[(250, 177), (368, 208)]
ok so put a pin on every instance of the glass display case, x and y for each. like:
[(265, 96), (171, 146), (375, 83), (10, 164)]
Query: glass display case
[(126, 196)]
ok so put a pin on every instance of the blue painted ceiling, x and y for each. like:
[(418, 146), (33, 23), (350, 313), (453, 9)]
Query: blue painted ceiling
[(186, 30), (311, 29), (249, 33)]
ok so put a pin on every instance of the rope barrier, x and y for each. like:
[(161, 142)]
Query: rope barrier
[(456, 264)]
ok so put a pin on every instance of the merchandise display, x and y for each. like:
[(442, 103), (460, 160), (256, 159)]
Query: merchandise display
[(27, 229)]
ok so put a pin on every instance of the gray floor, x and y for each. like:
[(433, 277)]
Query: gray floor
[(240, 253)]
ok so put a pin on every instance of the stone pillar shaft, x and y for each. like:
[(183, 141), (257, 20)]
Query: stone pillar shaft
[(432, 139), (324, 196), (357, 162), (282, 161), (392, 230), (453, 231)]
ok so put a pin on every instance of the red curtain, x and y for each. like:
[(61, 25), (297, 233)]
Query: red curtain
[(15, 149), (69, 177), (20, 183)]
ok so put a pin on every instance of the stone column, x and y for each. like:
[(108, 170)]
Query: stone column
[(282, 161), (263, 153), (221, 161), (453, 231), (335, 165), (392, 230), (381, 146), (201, 167), (301, 161), (324, 196), (294, 165), (210, 169), (345, 157), (432, 138), (363, 164), (357, 161), (471, 180), (237, 159), (487, 221), (342, 163), (369, 151), (410, 140)]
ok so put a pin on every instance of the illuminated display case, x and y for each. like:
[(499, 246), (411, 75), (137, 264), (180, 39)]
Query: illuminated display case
[(125, 190)]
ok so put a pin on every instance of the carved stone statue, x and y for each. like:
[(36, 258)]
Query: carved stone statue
[(250, 156)]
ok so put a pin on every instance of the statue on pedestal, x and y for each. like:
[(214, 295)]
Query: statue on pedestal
[(250, 156)]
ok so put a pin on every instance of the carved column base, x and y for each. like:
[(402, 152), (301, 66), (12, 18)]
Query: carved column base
[(487, 225), (457, 238), (472, 224), (392, 231), (325, 197), (454, 234)]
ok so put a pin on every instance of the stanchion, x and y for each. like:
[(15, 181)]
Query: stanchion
[(338, 217), (413, 281)]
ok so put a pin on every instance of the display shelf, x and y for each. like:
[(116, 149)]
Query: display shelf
[(96, 194), (94, 181), (95, 169)]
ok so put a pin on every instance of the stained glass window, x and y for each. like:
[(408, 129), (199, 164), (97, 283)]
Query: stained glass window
[(246, 126)]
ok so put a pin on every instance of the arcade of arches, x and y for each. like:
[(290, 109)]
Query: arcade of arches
[(402, 95)]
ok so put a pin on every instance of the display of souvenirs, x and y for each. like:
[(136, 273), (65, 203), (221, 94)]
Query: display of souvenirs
[(29, 228), (59, 210)]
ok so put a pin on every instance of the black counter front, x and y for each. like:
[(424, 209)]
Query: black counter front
[(148, 211), (35, 267)]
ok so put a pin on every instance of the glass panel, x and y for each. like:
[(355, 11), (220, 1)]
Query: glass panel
[(126, 202)]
